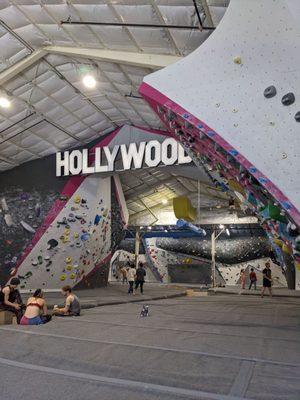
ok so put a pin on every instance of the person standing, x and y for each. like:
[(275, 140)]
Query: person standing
[(11, 299), (131, 275), (140, 277), (267, 280), (123, 271), (243, 278), (253, 279)]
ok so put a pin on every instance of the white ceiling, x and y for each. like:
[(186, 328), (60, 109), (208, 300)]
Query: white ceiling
[(50, 107)]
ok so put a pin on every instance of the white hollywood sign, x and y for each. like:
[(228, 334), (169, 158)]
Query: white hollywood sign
[(150, 154)]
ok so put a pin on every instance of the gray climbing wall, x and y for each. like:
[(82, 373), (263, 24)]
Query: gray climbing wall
[(219, 110)]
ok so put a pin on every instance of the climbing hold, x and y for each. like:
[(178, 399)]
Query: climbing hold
[(78, 244), (63, 277), (37, 209), (72, 275), (284, 156), (68, 260), (235, 110), (270, 91), (27, 227), (288, 99), (97, 219), (69, 267), (237, 60), (40, 259), (24, 196), (297, 116), (77, 199), (8, 220), (34, 263), (76, 235)]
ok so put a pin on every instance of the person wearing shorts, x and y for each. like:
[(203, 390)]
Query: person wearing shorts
[(267, 280), (36, 310)]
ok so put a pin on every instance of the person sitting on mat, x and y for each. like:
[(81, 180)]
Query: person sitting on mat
[(36, 310), (11, 300), (72, 305)]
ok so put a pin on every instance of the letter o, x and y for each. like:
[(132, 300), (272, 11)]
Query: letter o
[(153, 144), (174, 151)]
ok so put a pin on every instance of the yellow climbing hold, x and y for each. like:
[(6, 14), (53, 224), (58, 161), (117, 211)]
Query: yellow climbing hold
[(67, 231), (69, 267), (278, 242), (63, 277), (72, 275), (287, 249), (237, 60), (76, 235), (77, 199), (68, 260)]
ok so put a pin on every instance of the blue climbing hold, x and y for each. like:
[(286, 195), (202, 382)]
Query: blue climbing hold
[(85, 237), (253, 170), (186, 115), (97, 219), (286, 205), (233, 152), (200, 126), (211, 133), (262, 180)]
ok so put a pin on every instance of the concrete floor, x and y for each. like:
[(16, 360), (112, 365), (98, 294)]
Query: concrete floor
[(209, 347)]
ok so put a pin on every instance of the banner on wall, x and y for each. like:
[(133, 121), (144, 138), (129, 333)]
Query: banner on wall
[(133, 156)]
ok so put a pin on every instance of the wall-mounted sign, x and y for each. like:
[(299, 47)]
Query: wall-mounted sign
[(133, 156)]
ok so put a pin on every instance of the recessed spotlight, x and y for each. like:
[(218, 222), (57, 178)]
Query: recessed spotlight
[(89, 81), (4, 102), (164, 201)]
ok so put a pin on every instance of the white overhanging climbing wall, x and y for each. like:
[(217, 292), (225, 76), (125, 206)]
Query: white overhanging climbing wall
[(236, 108), (75, 243)]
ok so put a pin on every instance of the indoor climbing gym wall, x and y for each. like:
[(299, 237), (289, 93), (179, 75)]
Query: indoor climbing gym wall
[(236, 110), (57, 231)]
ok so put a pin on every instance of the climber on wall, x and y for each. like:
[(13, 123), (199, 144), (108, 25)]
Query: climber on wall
[(11, 300)]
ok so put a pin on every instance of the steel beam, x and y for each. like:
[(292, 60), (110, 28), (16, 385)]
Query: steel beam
[(144, 60), (20, 66)]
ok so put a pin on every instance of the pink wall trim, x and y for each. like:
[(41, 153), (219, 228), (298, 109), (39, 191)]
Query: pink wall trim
[(154, 97)]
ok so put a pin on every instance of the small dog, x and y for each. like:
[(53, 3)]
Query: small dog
[(145, 311)]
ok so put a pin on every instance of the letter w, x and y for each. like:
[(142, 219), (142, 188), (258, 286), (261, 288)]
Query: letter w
[(137, 155)]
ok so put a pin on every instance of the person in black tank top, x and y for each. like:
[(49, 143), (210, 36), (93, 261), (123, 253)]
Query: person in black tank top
[(11, 300)]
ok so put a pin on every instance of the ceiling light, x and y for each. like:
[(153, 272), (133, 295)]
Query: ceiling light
[(164, 201), (149, 227), (89, 81), (4, 102), (221, 226)]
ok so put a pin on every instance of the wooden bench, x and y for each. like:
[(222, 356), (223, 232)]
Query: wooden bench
[(7, 318)]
